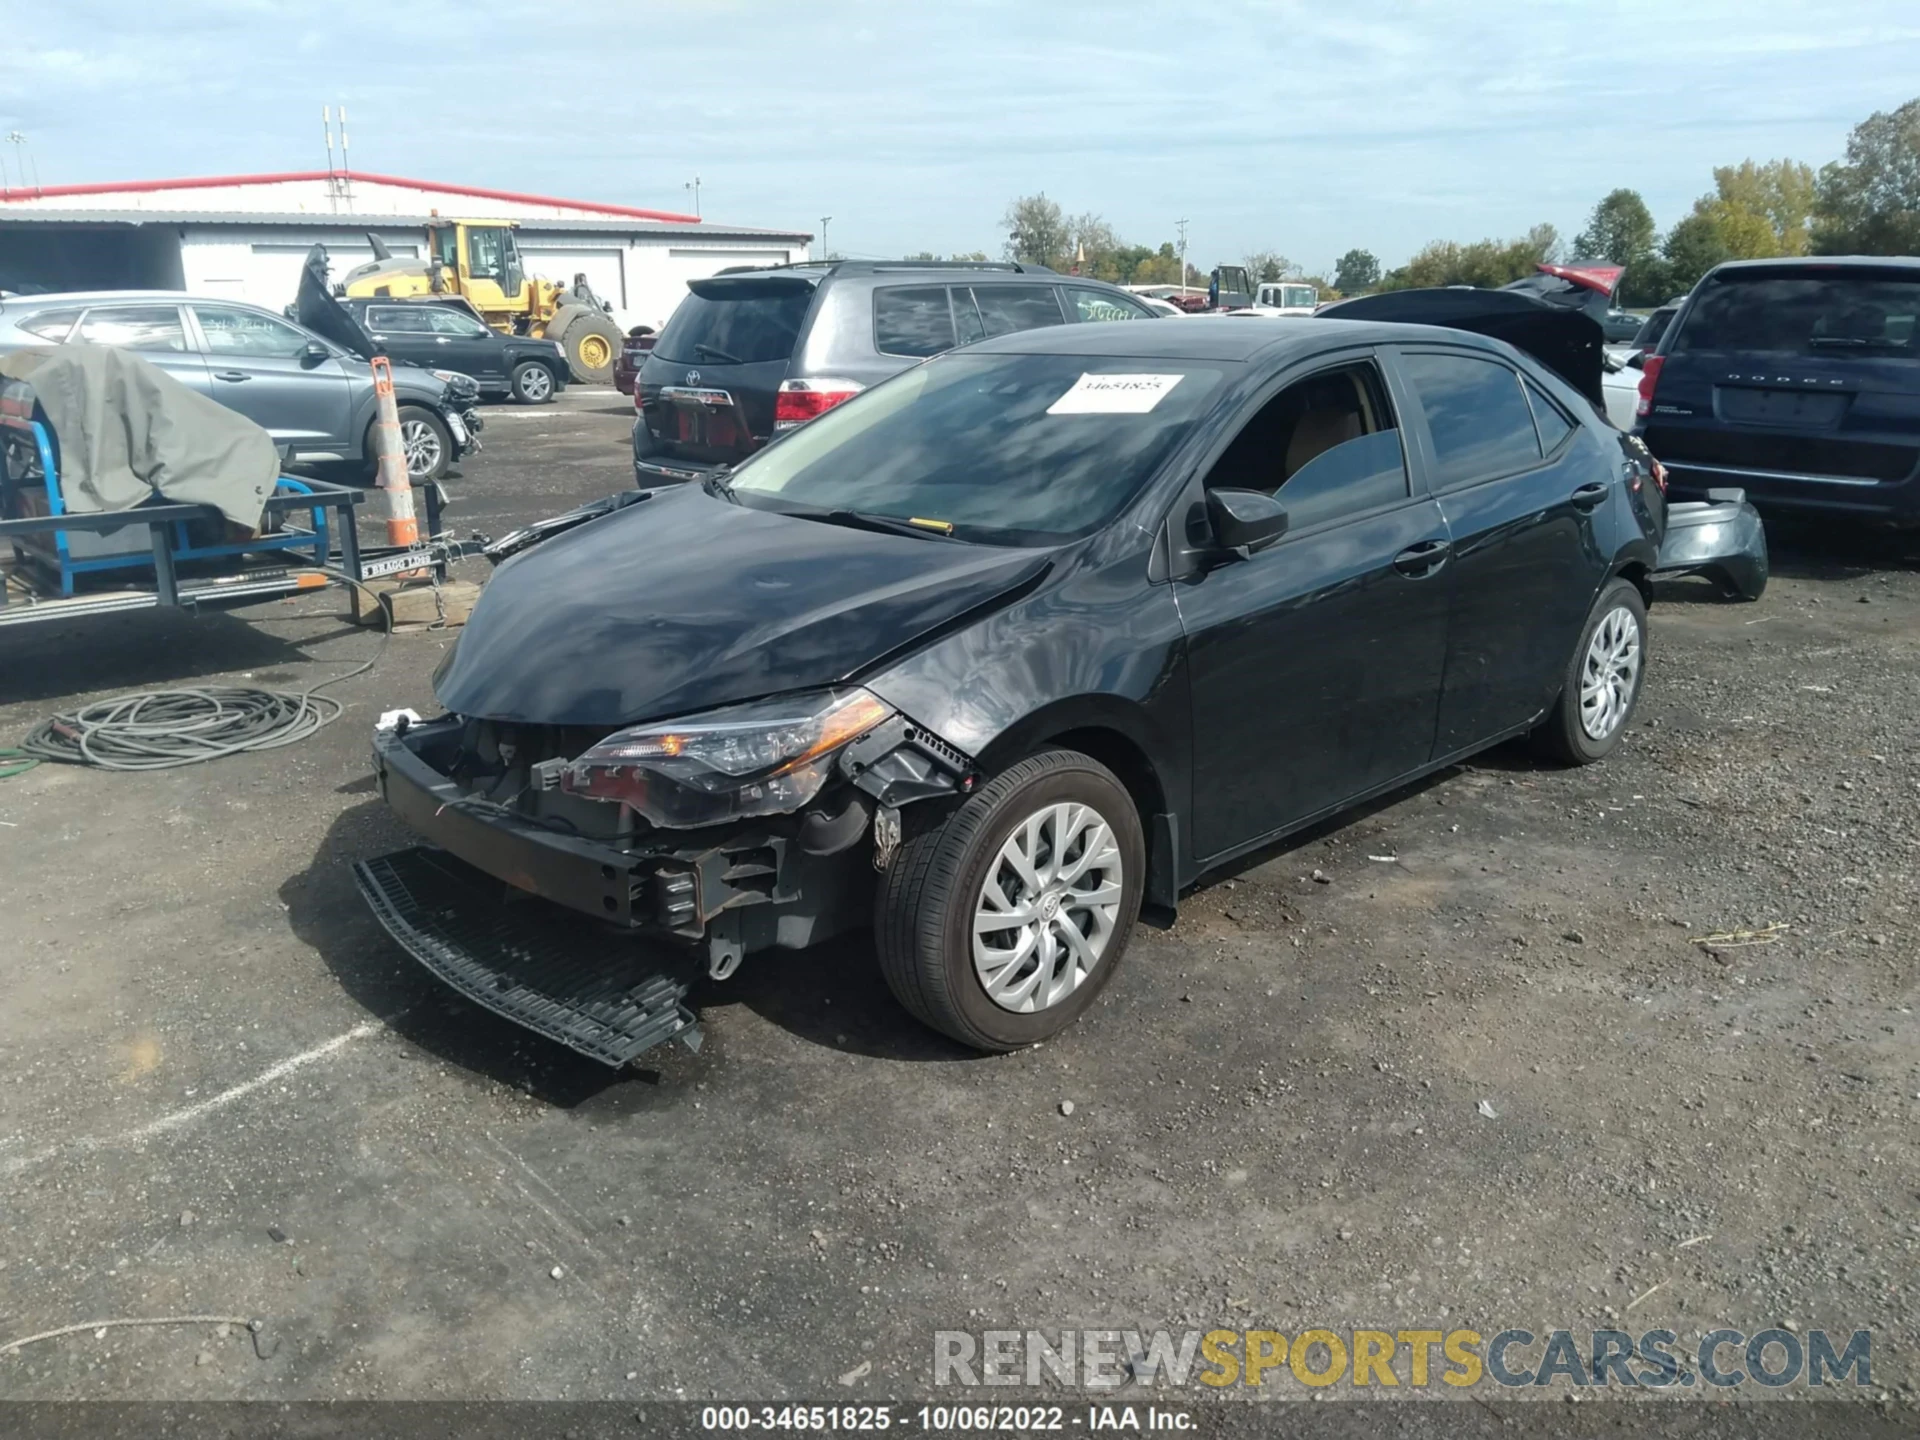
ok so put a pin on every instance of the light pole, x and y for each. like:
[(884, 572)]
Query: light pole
[(1181, 226), (694, 186), (824, 252)]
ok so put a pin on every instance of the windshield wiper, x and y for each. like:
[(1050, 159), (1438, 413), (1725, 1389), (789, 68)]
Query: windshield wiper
[(714, 352), (885, 524), (720, 488)]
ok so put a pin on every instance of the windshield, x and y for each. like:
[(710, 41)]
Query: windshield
[(1006, 449), (1298, 296), (1824, 313)]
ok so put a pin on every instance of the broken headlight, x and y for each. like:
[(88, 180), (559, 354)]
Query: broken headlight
[(769, 757)]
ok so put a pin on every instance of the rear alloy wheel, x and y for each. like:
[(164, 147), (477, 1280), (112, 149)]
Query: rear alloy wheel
[(1602, 683), (1000, 926), (428, 445), (532, 383)]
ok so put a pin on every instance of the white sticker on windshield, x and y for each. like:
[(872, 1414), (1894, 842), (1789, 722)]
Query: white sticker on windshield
[(1114, 395)]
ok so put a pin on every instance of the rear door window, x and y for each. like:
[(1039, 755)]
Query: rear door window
[(1830, 312), (1089, 304), (1006, 309), (397, 320), (736, 325), (1548, 419), (135, 327), (1477, 417), (913, 320)]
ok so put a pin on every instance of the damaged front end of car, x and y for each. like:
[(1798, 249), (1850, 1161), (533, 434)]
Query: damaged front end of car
[(660, 851)]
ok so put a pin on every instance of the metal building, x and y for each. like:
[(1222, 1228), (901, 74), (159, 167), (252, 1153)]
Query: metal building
[(245, 236)]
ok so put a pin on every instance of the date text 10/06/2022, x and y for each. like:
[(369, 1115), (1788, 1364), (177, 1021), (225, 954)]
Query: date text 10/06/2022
[(944, 1418)]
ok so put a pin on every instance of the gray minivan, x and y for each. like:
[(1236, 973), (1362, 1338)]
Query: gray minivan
[(754, 352)]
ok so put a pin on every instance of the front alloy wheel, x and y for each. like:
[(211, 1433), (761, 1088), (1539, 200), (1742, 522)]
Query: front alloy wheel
[(1001, 923), (1048, 908)]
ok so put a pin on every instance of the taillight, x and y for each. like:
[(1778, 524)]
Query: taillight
[(798, 401), (1650, 367)]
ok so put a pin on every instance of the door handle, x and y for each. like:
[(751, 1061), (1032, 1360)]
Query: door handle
[(441, 340), (231, 375), (1422, 559), (1590, 495)]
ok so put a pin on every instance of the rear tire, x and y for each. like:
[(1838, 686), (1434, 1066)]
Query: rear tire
[(591, 344), (1602, 681), (1061, 820), (533, 383)]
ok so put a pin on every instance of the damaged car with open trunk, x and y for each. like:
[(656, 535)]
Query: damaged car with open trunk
[(999, 657)]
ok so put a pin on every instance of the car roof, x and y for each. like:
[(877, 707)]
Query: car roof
[(1215, 337), (101, 297), (1822, 262)]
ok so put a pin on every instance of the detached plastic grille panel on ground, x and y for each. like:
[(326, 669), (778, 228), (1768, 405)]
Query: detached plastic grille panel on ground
[(599, 992)]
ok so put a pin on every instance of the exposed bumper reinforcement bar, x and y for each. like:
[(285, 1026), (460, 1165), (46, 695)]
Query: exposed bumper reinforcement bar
[(595, 990)]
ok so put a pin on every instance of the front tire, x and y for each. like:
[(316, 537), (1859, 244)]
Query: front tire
[(428, 444), (533, 383), (591, 344), (1053, 848), (1602, 683)]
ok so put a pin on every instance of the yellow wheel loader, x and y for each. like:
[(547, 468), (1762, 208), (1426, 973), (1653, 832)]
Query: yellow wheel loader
[(478, 261)]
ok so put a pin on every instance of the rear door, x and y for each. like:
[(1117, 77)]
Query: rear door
[(156, 333), (1798, 382), (260, 367), (403, 331), (708, 388), (464, 344), (1520, 496)]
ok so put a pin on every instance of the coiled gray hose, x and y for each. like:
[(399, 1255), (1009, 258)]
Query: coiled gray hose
[(162, 729)]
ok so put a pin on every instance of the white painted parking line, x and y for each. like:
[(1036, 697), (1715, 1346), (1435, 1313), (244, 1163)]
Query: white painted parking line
[(174, 1120)]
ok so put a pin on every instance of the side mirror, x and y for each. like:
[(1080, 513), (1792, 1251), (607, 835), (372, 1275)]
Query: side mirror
[(1637, 360), (1244, 521), (314, 354)]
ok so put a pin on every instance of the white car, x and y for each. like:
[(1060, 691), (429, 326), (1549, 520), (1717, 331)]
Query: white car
[(1281, 297), (1620, 383)]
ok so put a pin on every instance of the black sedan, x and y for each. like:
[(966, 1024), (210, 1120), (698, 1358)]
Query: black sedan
[(1003, 654), (449, 337)]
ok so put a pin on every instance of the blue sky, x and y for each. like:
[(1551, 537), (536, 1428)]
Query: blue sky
[(1301, 128)]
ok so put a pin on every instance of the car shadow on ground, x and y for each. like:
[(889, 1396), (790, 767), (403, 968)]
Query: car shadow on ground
[(831, 995), (137, 650), (1824, 549)]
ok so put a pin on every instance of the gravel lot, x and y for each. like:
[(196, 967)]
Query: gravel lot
[(227, 1093)]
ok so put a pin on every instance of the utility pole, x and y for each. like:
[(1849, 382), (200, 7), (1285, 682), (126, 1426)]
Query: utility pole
[(1181, 226), (694, 186), (21, 159), (824, 252)]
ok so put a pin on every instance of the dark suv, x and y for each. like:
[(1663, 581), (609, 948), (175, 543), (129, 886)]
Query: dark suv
[(751, 353), (426, 332), (1797, 380)]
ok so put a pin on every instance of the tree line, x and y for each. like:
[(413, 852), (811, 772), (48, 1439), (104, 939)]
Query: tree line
[(1865, 204)]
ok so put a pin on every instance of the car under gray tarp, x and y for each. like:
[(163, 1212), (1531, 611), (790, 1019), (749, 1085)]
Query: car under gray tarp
[(128, 432)]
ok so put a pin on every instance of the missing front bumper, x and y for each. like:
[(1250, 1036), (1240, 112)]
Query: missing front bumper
[(605, 994)]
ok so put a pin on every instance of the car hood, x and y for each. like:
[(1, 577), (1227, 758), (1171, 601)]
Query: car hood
[(1556, 327), (314, 308), (687, 601)]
